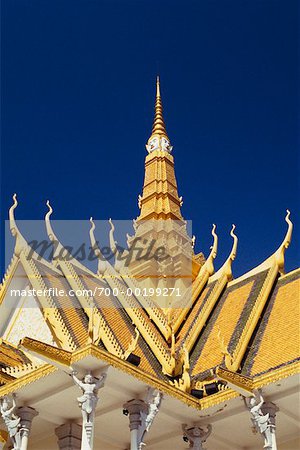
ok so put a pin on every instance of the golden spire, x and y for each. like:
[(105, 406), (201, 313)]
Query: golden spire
[(159, 139), (160, 197), (159, 127)]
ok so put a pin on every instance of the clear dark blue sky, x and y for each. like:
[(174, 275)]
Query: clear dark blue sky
[(78, 85)]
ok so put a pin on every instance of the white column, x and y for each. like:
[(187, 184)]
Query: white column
[(271, 409), (196, 436), (135, 409), (26, 415), (17, 421), (87, 403)]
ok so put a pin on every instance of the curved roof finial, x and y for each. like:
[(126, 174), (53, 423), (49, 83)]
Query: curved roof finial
[(209, 263), (226, 269), (20, 240), (235, 243), (279, 254), (112, 242), (12, 222), (58, 248), (49, 228), (94, 245)]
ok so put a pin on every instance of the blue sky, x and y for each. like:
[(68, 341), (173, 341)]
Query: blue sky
[(78, 86)]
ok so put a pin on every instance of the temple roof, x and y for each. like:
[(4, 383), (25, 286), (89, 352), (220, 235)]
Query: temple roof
[(223, 332), (247, 326)]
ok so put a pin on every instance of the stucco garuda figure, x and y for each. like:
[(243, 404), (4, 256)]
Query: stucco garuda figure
[(88, 401), (261, 421), (11, 420)]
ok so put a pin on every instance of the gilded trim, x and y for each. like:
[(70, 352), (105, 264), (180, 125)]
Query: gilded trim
[(31, 377), (42, 349)]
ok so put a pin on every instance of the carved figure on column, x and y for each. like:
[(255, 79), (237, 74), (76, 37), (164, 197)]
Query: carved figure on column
[(11, 420), (89, 386), (196, 436), (87, 403), (153, 400), (262, 422)]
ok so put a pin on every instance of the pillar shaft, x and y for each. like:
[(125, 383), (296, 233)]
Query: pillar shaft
[(134, 439), (27, 415), (136, 409)]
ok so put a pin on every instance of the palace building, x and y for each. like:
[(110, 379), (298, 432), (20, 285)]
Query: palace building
[(154, 348)]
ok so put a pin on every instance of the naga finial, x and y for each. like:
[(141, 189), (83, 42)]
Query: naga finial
[(113, 243), (119, 261), (20, 241), (94, 246), (133, 344), (129, 240), (184, 382), (226, 269), (93, 226), (58, 248), (209, 263), (235, 243), (50, 232), (279, 254), (12, 221), (228, 359)]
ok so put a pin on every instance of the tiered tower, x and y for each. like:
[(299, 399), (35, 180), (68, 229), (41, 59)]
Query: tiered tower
[(160, 222)]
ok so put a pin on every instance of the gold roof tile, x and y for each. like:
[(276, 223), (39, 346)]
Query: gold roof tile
[(280, 341), (226, 321)]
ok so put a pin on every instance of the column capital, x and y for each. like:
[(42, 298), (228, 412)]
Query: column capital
[(69, 436), (135, 409), (27, 414)]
